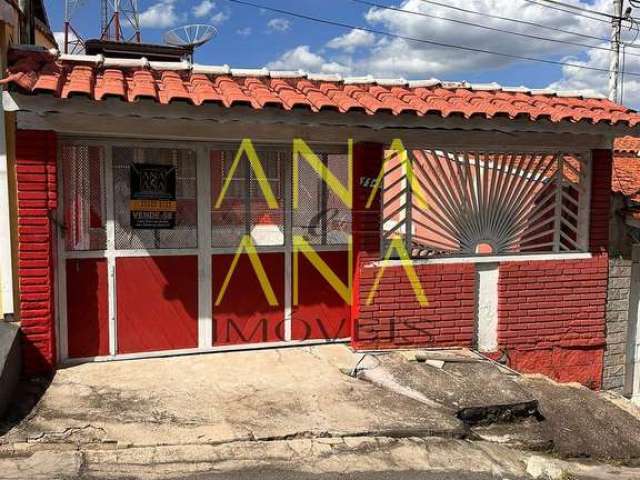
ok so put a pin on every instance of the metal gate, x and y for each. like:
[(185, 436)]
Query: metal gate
[(201, 256)]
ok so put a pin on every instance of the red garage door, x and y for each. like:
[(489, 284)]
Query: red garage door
[(166, 248)]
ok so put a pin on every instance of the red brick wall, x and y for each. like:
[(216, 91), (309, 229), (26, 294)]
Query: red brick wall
[(36, 183), (395, 318), (552, 314), (548, 309)]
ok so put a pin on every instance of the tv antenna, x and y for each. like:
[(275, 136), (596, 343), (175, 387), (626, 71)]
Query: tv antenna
[(190, 36)]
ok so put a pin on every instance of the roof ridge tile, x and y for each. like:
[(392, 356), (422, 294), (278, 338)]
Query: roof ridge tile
[(211, 69), (41, 70), (287, 74), (249, 72)]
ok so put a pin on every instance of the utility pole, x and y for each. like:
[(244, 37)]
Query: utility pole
[(614, 55)]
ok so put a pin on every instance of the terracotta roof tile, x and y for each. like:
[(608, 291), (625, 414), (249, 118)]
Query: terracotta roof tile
[(141, 84), (110, 83), (318, 99), (64, 76), (202, 90), (290, 97), (626, 175), (172, 87), (627, 144), (79, 81), (344, 102), (231, 92)]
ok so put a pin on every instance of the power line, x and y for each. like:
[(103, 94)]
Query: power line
[(515, 20), (420, 40), (486, 27), (576, 10), (574, 7)]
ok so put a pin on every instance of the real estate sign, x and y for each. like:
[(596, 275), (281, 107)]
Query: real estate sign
[(153, 196)]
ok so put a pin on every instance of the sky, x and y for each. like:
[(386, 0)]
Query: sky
[(250, 37)]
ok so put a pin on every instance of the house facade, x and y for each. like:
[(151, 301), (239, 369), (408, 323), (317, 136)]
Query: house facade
[(167, 208), (27, 23)]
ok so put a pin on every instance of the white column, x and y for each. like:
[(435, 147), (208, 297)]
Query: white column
[(487, 306), (6, 276), (205, 293)]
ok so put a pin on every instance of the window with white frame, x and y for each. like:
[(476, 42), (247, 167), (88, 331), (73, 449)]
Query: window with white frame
[(467, 202)]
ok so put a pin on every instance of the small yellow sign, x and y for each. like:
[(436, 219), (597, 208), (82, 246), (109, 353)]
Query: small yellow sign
[(152, 205)]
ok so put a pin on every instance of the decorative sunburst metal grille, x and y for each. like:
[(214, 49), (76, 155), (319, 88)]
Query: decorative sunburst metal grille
[(468, 202)]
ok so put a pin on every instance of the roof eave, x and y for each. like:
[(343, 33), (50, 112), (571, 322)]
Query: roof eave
[(146, 108)]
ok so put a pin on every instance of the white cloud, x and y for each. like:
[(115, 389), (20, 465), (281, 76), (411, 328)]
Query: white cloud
[(303, 58), (397, 56), (349, 42), (161, 15), (358, 52), (591, 81), (244, 32), (204, 8), (279, 24), (219, 18), (59, 38)]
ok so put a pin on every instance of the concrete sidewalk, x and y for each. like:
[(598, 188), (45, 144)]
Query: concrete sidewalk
[(296, 409), (226, 397)]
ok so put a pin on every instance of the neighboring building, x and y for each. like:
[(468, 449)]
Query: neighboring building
[(622, 356), (23, 22), (134, 203)]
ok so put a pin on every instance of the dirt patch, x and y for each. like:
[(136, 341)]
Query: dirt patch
[(581, 423)]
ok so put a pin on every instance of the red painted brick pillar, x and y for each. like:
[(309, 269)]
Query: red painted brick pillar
[(37, 202), (602, 161), (367, 162)]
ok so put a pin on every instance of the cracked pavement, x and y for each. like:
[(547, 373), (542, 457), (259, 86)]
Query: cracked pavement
[(227, 397)]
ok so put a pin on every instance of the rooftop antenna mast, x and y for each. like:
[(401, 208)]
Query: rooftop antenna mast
[(73, 42), (115, 13)]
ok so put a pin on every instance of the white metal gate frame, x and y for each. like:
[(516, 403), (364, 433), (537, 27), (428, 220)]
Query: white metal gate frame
[(204, 253), (584, 210)]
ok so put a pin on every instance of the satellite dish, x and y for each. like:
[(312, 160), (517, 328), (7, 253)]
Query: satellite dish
[(191, 36)]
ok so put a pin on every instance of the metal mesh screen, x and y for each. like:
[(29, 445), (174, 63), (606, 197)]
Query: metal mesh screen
[(338, 218), (185, 232), (308, 221), (84, 198), (465, 202), (243, 209), (321, 217), (266, 224)]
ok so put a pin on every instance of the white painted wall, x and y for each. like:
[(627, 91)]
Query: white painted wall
[(487, 306)]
